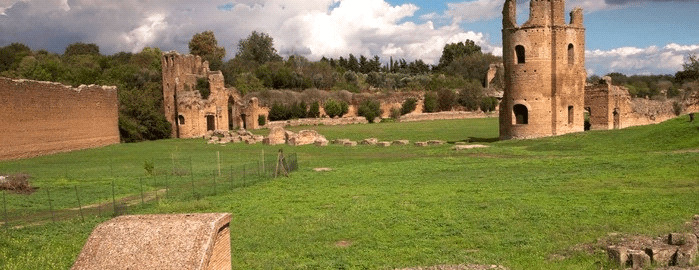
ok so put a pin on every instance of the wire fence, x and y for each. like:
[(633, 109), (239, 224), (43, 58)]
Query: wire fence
[(115, 193)]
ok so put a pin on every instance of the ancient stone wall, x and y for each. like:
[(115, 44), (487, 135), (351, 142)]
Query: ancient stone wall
[(189, 113), (544, 62), (611, 107), (39, 118)]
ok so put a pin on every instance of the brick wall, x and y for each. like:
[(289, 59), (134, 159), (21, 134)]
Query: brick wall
[(40, 118)]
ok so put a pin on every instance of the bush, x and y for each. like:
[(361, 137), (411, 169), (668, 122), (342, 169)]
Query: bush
[(18, 183), (677, 108), (445, 99), (370, 109), (488, 104), (335, 108), (314, 111), (279, 112), (261, 120), (203, 87), (430, 104), (298, 110), (471, 96), (396, 113), (408, 106)]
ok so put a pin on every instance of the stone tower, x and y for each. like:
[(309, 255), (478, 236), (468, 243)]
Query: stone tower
[(544, 71)]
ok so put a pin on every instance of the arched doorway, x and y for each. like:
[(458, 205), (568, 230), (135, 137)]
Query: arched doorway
[(210, 122), (231, 121), (521, 114), (617, 118)]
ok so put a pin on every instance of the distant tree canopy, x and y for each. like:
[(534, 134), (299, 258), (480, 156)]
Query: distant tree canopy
[(80, 48), (205, 45), (257, 48), (453, 51)]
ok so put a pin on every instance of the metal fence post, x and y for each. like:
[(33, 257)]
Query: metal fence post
[(48, 195), (80, 207), (140, 181), (4, 207)]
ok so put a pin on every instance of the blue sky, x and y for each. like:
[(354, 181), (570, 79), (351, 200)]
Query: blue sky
[(629, 36)]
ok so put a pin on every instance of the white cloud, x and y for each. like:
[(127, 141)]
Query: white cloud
[(312, 28), (642, 61)]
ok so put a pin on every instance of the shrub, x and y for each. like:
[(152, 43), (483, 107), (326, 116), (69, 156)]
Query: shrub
[(149, 167), (279, 112), (298, 110), (677, 108), (261, 120), (445, 99), (471, 96), (203, 87), (370, 109), (396, 113), (314, 111), (488, 104), (408, 106), (335, 108), (430, 104)]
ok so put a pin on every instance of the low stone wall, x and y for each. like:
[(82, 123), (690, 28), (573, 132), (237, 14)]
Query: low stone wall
[(413, 117)]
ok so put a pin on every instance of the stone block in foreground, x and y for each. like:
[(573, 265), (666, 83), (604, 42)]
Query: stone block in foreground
[(178, 241)]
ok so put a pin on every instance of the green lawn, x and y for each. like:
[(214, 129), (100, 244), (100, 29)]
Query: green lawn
[(515, 204)]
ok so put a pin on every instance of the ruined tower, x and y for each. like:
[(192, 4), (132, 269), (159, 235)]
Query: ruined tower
[(545, 73)]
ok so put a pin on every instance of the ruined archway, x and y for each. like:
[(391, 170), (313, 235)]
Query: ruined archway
[(519, 51), (617, 118), (231, 120)]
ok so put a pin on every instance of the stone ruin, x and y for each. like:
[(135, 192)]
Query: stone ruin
[(673, 250), (178, 241), (224, 137)]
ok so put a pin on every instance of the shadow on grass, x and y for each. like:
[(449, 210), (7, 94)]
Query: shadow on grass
[(477, 140)]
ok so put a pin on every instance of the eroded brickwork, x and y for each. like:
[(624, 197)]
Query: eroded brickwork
[(191, 115), (611, 107), (39, 118), (545, 73)]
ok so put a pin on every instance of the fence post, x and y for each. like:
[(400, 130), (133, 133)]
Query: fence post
[(4, 207), (167, 177), (155, 185), (215, 186), (80, 206), (263, 161), (230, 176), (113, 200), (218, 161), (48, 195), (140, 181), (191, 176)]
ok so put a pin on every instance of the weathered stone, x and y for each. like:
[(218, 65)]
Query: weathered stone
[(435, 142), (421, 144), (322, 169), (470, 146), (250, 141), (618, 255), (277, 135), (340, 141), (687, 253), (384, 144), (224, 140), (321, 142), (639, 259), (350, 143), (304, 137), (369, 141), (258, 138), (401, 142), (662, 255)]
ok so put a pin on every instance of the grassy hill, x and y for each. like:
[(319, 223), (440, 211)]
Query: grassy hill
[(529, 204)]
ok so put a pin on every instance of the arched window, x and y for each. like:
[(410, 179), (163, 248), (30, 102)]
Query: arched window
[(571, 54), (519, 50), (571, 115), (521, 114), (180, 119)]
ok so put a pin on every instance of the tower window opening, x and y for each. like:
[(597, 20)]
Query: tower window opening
[(521, 114), (180, 119), (571, 54), (571, 114), (519, 50)]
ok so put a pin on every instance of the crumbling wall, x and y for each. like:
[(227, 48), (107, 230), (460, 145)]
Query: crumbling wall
[(611, 107), (191, 114), (40, 118)]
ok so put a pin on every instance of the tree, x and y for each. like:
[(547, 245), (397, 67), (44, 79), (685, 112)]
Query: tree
[(12, 54), (80, 48), (430, 103), (335, 108), (453, 51), (257, 48), (408, 106), (691, 70), (471, 96), (445, 99), (370, 109), (205, 45)]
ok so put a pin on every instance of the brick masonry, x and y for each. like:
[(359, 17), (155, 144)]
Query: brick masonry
[(40, 118)]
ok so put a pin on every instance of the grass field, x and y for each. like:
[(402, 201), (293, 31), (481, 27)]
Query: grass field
[(522, 204)]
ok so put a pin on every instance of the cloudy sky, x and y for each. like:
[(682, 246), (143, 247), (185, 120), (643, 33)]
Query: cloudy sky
[(629, 36)]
